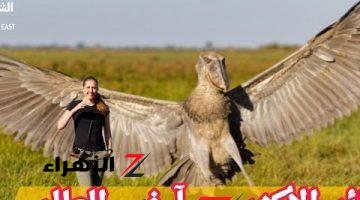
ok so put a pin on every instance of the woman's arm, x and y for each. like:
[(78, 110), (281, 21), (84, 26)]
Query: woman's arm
[(65, 118), (107, 130)]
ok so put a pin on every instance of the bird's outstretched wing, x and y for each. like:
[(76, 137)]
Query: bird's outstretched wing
[(33, 99), (148, 126), (307, 90)]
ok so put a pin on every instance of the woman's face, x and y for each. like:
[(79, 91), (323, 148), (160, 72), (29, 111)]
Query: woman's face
[(90, 89)]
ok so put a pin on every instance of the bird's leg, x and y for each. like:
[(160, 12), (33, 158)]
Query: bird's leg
[(233, 151), (200, 155)]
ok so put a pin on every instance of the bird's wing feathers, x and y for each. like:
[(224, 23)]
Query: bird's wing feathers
[(308, 89), (143, 125), (33, 99)]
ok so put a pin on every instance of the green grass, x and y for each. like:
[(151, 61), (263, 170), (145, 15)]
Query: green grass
[(330, 157)]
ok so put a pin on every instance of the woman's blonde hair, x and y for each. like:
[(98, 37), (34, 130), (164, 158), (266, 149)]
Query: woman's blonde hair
[(100, 104)]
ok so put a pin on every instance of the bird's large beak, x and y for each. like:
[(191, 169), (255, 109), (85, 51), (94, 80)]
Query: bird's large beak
[(218, 77)]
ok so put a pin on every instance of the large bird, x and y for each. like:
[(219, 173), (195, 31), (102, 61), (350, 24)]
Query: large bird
[(199, 140)]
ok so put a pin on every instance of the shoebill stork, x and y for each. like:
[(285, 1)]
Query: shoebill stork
[(200, 140)]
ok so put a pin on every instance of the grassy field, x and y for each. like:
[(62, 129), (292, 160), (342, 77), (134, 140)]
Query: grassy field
[(330, 157)]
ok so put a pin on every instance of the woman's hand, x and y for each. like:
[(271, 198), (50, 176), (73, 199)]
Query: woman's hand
[(80, 105), (109, 152)]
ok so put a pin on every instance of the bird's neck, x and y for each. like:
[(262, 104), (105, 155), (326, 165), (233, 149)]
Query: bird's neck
[(206, 104)]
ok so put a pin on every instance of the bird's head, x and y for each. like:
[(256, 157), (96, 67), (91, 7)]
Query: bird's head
[(211, 70)]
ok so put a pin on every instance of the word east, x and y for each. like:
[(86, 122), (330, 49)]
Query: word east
[(7, 27)]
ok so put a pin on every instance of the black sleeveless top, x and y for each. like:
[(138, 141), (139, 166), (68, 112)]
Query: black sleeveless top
[(88, 122)]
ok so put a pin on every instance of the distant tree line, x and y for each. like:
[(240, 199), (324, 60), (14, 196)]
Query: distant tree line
[(207, 46)]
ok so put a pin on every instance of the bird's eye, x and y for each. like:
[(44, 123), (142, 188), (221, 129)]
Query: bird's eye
[(207, 60)]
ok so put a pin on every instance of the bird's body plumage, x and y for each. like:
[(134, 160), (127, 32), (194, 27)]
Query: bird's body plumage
[(208, 110)]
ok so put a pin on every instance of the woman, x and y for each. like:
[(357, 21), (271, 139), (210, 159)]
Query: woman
[(90, 116)]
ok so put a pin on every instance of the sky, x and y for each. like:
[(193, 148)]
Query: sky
[(159, 23)]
